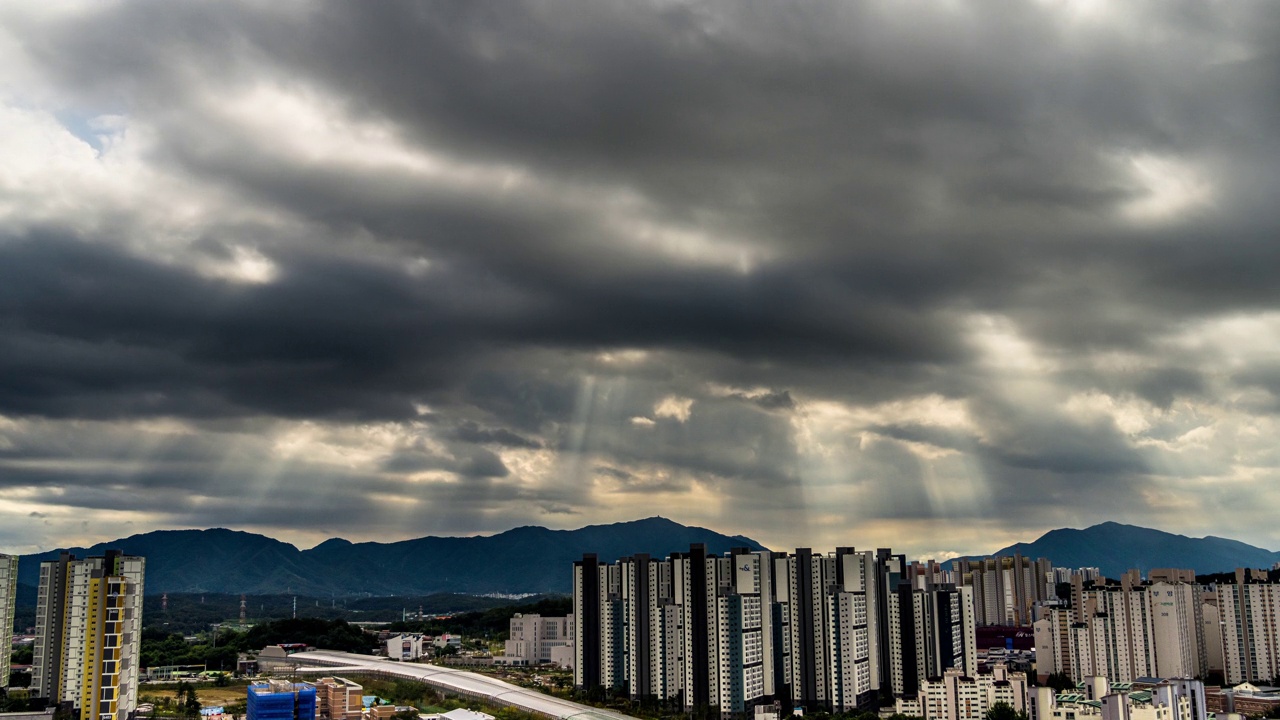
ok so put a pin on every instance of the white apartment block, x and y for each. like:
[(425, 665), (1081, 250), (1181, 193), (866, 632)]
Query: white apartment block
[(1250, 613), (850, 608), (533, 638), (832, 630), (1124, 633), (1177, 619), (1108, 632), (936, 632), (958, 696), (8, 600), (730, 632), (743, 630), (1176, 700), (1006, 589)]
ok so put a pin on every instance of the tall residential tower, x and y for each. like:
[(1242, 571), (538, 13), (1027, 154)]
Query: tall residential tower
[(88, 632), (8, 593)]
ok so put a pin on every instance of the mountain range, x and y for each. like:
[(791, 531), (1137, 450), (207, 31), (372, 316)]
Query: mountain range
[(537, 560), (1114, 548), (523, 560)]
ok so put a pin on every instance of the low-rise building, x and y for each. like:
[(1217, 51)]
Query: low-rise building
[(338, 699), (460, 714), (1245, 699), (447, 640), (957, 696), (386, 712), (563, 656), (533, 638), (281, 700), (1097, 699), (275, 658), (408, 646)]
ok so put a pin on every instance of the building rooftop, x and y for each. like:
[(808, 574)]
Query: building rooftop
[(272, 687), (465, 714)]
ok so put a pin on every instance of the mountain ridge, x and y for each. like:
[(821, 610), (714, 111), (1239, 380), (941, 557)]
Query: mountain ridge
[(527, 559), (1115, 547), (535, 559)]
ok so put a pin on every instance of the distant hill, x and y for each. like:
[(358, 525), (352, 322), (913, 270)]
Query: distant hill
[(1114, 548), (523, 560)]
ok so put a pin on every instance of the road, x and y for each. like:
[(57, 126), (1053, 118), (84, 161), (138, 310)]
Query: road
[(453, 680)]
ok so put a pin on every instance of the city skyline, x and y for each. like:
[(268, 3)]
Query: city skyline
[(935, 277)]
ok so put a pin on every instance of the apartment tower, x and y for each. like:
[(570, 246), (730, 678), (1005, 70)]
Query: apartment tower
[(88, 632), (8, 597)]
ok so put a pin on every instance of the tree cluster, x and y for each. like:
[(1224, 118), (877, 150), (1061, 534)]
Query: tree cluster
[(219, 650), (20, 704), (185, 703), (494, 623), (187, 700), (1060, 682), (1004, 711)]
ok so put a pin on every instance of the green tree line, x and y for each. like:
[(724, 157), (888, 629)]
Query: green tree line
[(493, 624), (219, 650)]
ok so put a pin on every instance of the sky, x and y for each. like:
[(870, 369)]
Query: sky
[(939, 276)]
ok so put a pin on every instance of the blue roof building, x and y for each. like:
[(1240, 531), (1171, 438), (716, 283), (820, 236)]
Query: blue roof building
[(281, 700)]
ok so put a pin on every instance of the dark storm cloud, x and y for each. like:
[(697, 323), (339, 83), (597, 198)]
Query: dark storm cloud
[(1033, 462), (465, 210), (101, 473), (93, 327), (97, 333), (472, 462), (771, 400), (473, 433), (935, 436), (646, 91)]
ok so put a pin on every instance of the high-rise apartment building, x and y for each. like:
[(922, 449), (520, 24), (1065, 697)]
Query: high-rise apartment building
[(729, 632), (935, 631), (852, 602), (891, 571), (1125, 632), (1005, 589), (1107, 632), (8, 599), (88, 632), (833, 629), (1177, 619), (740, 629), (1250, 626), (586, 618)]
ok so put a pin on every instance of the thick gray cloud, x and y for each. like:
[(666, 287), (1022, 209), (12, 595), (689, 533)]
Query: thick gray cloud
[(939, 277)]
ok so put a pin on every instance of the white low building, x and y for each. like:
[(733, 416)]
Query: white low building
[(458, 714), (1169, 700), (408, 647), (956, 696), (534, 639)]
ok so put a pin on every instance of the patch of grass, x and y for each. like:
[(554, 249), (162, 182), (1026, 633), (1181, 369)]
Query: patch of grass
[(208, 695)]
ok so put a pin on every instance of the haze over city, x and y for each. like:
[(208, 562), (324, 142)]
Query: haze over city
[(940, 276)]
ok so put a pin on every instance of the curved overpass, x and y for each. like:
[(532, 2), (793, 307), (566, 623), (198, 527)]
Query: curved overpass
[(452, 680)]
